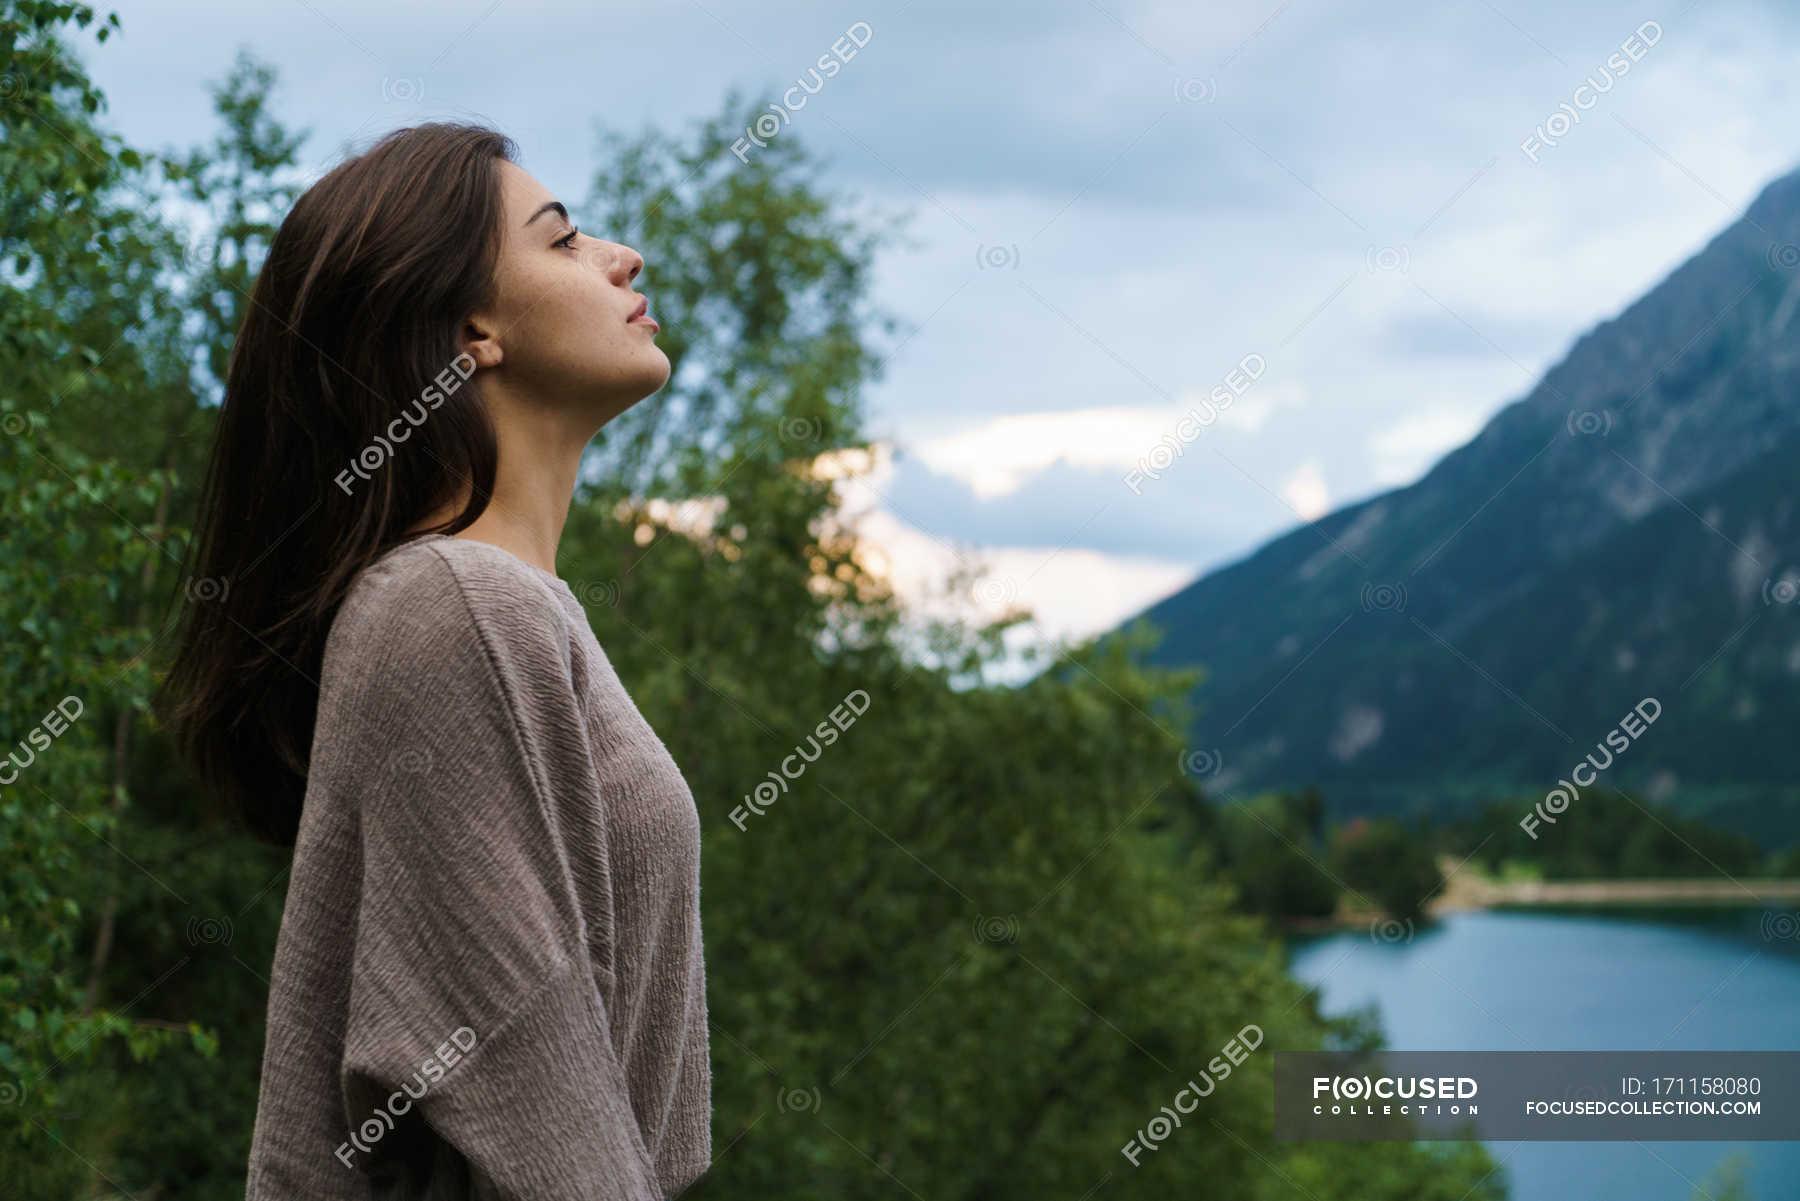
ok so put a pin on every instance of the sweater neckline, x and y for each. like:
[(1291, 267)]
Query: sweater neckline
[(550, 576)]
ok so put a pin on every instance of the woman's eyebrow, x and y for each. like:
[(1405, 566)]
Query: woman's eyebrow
[(554, 206)]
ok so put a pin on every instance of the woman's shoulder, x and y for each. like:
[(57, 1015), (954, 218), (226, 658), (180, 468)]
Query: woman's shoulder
[(427, 588), (435, 571)]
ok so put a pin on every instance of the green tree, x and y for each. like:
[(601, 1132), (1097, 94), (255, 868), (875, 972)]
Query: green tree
[(1390, 863), (70, 539), (95, 325), (1606, 834), (1271, 848), (73, 264)]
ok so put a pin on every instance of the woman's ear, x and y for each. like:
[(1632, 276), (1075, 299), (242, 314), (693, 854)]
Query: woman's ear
[(480, 344)]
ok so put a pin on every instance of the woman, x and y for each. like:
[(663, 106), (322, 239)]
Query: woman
[(488, 980)]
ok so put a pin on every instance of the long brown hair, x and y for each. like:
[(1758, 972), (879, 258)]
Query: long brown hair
[(349, 417)]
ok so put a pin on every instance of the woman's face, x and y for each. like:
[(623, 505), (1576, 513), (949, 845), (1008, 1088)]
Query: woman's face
[(562, 327)]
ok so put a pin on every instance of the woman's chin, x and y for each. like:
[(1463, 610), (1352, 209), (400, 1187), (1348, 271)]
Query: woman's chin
[(657, 369), (621, 389)]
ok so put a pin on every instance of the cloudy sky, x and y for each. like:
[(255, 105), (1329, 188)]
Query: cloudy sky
[(1368, 224)]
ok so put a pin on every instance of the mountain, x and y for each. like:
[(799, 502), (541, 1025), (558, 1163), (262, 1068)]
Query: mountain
[(1626, 530)]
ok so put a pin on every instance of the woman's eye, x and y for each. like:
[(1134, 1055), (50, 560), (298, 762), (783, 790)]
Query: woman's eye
[(567, 242)]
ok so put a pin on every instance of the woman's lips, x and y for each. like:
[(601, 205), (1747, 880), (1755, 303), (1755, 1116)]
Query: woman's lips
[(641, 316)]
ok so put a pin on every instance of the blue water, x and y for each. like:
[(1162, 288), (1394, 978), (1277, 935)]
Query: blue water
[(1535, 980)]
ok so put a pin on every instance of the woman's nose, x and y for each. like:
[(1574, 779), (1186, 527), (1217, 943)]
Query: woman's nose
[(620, 264), (634, 259)]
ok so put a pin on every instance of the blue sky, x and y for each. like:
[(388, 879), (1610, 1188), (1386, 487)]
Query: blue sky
[(1115, 204)]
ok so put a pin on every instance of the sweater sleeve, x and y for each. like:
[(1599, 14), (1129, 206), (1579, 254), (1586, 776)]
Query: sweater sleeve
[(473, 1005)]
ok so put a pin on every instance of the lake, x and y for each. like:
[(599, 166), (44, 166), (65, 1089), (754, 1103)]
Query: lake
[(1522, 980)]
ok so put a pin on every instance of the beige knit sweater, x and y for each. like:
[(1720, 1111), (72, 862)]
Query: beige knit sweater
[(488, 981)]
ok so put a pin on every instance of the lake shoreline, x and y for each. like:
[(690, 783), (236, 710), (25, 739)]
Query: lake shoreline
[(1465, 889)]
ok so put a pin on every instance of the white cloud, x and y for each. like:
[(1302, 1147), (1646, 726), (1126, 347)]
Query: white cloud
[(1307, 492), (998, 456), (1071, 593)]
